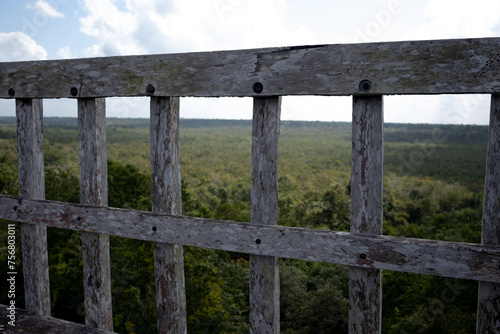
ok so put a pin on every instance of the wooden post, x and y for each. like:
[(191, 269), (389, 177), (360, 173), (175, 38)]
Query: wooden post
[(365, 285), (488, 312), (94, 191), (264, 274), (166, 198), (32, 185)]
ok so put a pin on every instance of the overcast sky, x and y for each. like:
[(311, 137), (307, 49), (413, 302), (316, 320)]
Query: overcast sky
[(55, 29)]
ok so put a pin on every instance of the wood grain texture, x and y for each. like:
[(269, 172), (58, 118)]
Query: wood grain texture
[(428, 257), (94, 191), (31, 323), (166, 198), (264, 272), (31, 175), (410, 67), (488, 313), (365, 285)]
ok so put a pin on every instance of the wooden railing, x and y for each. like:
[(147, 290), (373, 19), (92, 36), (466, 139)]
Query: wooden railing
[(364, 71)]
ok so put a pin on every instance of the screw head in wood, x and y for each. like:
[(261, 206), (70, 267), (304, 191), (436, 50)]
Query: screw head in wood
[(257, 87), (365, 86), (73, 91), (362, 256), (11, 92), (150, 89), (257, 241)]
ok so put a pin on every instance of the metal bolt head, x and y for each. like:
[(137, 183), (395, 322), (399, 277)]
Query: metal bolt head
[(73, 91), (150, 89), (365, 86), (257, 87)]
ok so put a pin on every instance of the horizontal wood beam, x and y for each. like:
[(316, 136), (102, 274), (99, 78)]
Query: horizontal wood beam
[(429, 257), (412, 67), (30, 322)]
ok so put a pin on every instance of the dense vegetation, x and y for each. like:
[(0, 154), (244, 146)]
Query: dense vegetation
[(433, 182)]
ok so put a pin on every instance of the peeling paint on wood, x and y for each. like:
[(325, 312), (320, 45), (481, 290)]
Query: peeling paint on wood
[(166, 198), (30, 322), (428, 257), (264, 273), (94, 191), (488, 313), (411, 67), (29, 115), (365, 285)]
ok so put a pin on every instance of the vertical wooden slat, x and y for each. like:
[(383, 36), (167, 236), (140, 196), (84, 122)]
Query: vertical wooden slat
[(166, 198), (29, 114), (264, 274), (94, 191), (365, 285), (488, 313)]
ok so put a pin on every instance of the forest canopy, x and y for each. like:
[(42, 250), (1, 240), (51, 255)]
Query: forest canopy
[(433, 189)]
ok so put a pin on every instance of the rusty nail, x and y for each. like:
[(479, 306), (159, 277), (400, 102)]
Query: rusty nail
[(257, 241), (362, 256), (73, 91), (365, 86), (150, 89), (257, 87), (11, 92)]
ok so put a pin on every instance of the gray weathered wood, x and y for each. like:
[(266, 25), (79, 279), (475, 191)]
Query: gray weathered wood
[(166, 198), (264, 273), (31, 323), (488, 313), (32, 185), (411, 67), (365, 285), (94, 191), (428, 257)]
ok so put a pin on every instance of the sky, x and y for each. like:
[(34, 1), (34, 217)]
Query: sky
[(60, 29)]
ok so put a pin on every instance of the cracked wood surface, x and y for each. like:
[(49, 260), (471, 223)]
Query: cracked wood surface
[(29, 113), (428, 257), (411, 67), (166, 198), (264, 272), (365, 285), (488, 310), (94, 191)]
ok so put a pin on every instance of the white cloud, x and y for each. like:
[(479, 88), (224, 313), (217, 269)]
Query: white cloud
[(65, 53), (46, 8), (17, 46), (112, 28), (458, 19), (156, 26)]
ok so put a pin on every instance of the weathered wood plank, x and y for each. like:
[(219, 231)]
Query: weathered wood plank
[(264, 272), (488, 313), (94, 191), (31, 323), (428, 257), (29, 115), (365, 285), (166, 198), (411, 67)]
